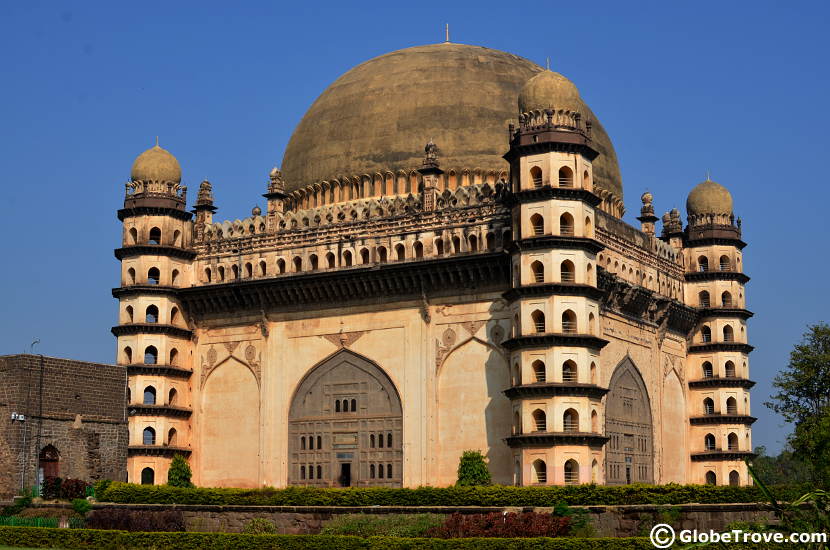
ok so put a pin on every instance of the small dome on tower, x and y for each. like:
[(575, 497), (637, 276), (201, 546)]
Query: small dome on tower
[(709, 197), (156, 164), (549, 90)]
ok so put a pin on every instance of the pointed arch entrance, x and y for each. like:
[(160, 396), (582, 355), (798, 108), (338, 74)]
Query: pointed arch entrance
[(628, 426), (345, 426)]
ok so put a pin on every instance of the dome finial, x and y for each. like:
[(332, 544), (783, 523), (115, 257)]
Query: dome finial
[(447, 33), (157, 141), (547, 62), (708, 176)]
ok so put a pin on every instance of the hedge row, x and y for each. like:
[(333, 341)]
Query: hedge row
[(35, 537), (496, 495)]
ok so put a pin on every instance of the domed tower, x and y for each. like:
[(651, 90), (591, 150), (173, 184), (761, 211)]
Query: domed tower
[(718, 353), (555, 345), (154, 340)]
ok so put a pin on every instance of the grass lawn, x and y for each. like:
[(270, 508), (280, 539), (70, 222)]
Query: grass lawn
[(21, 548)]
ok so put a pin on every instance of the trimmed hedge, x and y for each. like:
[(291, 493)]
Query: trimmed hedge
[(34, 537), (497, 495)]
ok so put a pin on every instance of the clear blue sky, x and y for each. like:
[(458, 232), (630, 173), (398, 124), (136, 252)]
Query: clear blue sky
[(738, 88)]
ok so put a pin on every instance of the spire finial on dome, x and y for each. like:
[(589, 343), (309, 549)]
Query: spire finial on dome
[(447, 31), (157, 141), (547, 62), (708, 178)]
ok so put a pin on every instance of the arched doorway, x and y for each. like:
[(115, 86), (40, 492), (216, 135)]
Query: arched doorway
[(628, 426), (345, 426), (49, 462), (148, 476)]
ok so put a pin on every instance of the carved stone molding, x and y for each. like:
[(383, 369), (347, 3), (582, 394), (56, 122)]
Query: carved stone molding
[(473, 326), (344, 339), (444, 346)]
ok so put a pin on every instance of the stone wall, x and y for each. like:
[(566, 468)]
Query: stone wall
[(610, 521), (75, 406)]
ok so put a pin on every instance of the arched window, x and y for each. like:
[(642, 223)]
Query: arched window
[(571, 472), (354, 405), (591, 319), (517, 423), (171, 437), (593, 373), (473, 243), (539, 420), (330, 260), (149, 396), (151, 355), (725, 264), (208, 275), (569, 373), (726, 299), (133, 236), (566, 224), (537, 222), (381, 254), (569, 322), (235, 271), (151, 314), (400, 252), (319, 442), (731, 406), (538, 270), (372, 441), (148, 477), (131, 276), (703, 263), (538, 319), (730, 369), (221, 271), (708, 371), (711, 478), (174, 315), (263, 268), (280, 266), (177, 238), (149, 436), (703, 298), (456, 244), (728, 334), (174, 276), (380, 441), (302, 472), (540, 471), (517, 375), (708, 406), (709, 442), (389, 444), (567, 271), (589, 274), (734, 478), (570, 421), (172, 397), (539, 371), (174, 357), (347, 258), (129, 311), (153, 276), (380, 471), (589, 228), (439, 246), (706, 333), (129, 396), (249, 270), (732, 441), (536, 176), (372, 470), (128, 355), (364, 256), (418, 249), (298, 264), (155, 236), (566, 177), (490, 242)]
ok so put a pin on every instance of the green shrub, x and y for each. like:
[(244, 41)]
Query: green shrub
[(493, 495), (472, 469), (81, 506), (100, 486), (17, 521), (260, 526), (179, 473), (17, 507), (374, 525)]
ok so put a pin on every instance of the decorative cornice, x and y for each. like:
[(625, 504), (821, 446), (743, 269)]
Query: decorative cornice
[(159, 410), (556, 241), (151, 328), (553, 289), (159, 370), (362, 284), (157, 450), (699, 276), (725, 312), (551, 439), (721, 382), (716, 241), (722, 419), (720, 346), (125, 213), (722, 456), (144, 290), (549, 340), (547, 192), (154, 250), (551, 389)]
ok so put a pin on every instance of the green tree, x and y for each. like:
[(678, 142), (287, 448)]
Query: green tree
[(179, 473), (803, 399), (472, 469), (784, 469)]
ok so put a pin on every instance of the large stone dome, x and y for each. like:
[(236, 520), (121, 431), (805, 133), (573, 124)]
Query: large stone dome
[(377, 116), (709, 197), (156, 164)]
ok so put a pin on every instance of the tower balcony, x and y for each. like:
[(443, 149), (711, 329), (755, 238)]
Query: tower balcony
[(722, 455), (719, 418), (166, 451), (554, 389), (721, 382), (554, 339), (552, 439), (168, 411)]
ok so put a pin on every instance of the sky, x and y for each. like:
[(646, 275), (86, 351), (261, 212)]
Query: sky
[(738, 89)]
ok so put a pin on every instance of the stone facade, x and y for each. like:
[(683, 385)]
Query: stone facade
[(510, 311), (74, 421)]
